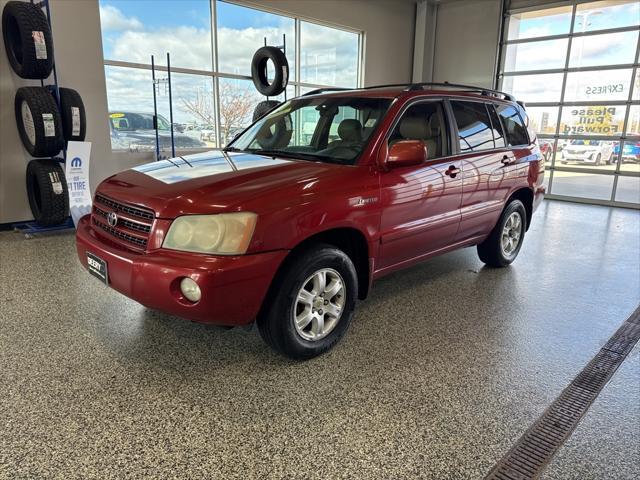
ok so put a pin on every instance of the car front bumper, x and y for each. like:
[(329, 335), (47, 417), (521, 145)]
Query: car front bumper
[(233, 288)]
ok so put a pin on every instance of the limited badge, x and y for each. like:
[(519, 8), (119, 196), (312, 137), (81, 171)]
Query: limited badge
[(75, 121), (49, 125), (40, 44)]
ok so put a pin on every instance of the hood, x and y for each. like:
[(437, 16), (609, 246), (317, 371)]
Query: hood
[(216, 181)]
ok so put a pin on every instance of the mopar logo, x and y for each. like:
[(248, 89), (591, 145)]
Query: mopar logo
[(76, 162), (112, 219)]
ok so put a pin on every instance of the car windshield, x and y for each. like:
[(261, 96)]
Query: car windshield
[(333, 129), (591, 143)]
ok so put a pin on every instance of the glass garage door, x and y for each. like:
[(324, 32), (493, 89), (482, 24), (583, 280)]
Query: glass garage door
[(576, 68)]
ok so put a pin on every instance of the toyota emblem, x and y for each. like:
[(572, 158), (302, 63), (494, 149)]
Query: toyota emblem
[(112, 219)]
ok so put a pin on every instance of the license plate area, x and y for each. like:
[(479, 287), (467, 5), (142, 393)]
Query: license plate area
[(98, 268)]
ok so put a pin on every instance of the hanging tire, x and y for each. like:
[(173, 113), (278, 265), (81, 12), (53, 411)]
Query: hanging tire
[(263, 107), (27, 40), (74, 120), (47, 191), (38, 120), (259, 71)]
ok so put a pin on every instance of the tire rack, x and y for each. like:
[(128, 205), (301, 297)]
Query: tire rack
[(282, 47), (31, 229)]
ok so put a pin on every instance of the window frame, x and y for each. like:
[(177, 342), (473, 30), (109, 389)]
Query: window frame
[(504, 128), (216, 75), (446, 114), (554, 139)]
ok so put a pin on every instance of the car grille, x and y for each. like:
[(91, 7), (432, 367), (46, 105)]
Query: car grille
[(133, 225)]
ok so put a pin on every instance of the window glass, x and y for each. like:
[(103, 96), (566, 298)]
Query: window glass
[(242, 30), (474, 126), (540, 23), (589, 153), (543, 119), (599, 85), (133, 30), (534, 88), (607, 49), (238, 100), (582, 185), (628, 189), (592, 120), (514, 128), (606, 14), (535, 55), (301, 129), (423, 121), (498, 134), (548, 149), (328, 56), (633, 123), (630, 155)]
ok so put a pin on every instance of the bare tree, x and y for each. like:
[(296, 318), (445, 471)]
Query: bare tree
[(236, 105)]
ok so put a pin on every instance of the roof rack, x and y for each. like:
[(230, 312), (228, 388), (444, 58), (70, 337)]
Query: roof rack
[(471, 88), (409, 87)]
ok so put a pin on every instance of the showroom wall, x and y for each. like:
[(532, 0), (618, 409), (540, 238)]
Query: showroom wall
[(463, 48), (387, 57)]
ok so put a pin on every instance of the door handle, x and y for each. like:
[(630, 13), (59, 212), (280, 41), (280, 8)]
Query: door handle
[(452, 171), (507, 160)]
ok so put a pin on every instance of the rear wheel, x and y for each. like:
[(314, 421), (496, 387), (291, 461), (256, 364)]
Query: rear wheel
[(503, 244), (309, 308)]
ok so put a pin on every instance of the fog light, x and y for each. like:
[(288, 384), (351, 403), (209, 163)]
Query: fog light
[(190, 290)]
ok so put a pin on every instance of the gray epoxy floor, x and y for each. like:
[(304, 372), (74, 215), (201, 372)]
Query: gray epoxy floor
[(445, 366)]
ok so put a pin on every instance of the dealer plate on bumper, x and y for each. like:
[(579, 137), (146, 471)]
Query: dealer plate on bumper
[(97, 267)]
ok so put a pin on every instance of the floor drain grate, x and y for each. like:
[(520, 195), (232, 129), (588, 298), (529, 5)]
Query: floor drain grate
[(535, 449)]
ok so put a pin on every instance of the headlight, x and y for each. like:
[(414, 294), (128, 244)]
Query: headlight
[(223, 234)]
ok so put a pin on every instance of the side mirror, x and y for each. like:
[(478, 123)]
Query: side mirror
[(405, 153)]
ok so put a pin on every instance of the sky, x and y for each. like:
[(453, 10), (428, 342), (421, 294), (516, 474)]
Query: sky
[(133, 30)]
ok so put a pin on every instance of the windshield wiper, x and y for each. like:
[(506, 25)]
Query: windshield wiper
[(232, 149), (299, 155)]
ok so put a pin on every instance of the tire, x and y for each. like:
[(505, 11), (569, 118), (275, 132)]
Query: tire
[(27, 40), (73, 116), (491, 250), (276, 320), (38, 121), (47, 191), (259, 71), (263, 107)]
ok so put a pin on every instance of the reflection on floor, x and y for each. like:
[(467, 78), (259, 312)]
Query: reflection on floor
[(445, 366)]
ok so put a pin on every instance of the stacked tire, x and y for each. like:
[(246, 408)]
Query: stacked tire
[(45, 122)]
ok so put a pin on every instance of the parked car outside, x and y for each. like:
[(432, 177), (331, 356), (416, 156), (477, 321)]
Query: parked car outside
[(597, 152), (291, 230), (630, 152), (135, 131)]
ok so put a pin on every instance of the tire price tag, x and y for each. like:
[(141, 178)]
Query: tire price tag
[(56, 184), (75, 121), (49, 125), (40, 45)]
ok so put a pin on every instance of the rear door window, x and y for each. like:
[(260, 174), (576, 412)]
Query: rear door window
[(498, 134), (474, 126), (514, 128)]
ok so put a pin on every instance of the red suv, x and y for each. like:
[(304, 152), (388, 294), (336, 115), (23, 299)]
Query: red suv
[(290, 224)]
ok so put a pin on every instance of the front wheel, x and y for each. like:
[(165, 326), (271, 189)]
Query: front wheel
[(503, 243), (309, 308)]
